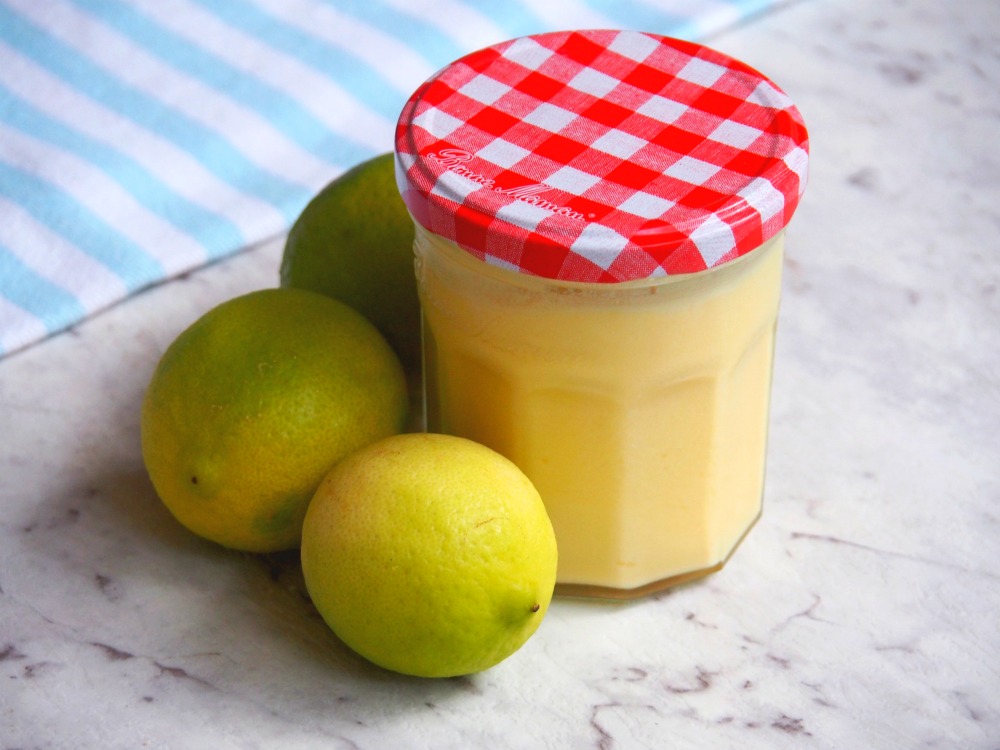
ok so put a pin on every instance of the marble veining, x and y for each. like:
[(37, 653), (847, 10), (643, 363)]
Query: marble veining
[(861, 612)]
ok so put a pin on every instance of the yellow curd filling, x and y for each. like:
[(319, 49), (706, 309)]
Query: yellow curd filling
[(639, 410)]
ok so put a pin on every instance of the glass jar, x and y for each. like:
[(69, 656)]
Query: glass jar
[(628, 378)]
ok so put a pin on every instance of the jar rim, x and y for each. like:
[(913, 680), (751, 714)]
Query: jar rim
[(427, 241)]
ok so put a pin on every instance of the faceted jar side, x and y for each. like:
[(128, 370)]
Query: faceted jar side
[(638, 410)]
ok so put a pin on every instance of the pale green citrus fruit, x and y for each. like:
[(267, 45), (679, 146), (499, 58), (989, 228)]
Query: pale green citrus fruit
[(253, 404), (429, 555), (354, 242)]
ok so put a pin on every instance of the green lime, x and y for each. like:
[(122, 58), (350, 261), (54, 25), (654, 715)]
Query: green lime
[(354, 242), (253, 404)]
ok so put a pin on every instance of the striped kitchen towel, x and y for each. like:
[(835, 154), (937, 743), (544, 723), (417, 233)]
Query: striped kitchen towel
[(140, 139)]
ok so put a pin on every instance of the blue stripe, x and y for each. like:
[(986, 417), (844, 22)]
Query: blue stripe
[(215, 232), (48, 302), (516, 19), (691, 27), (217, 154), (66, 216), (637, 17), (410, 29), (281, 110), (749, 8), (362, 81)]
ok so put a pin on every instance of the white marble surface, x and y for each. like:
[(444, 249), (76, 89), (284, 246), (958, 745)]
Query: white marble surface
[(862, 612)]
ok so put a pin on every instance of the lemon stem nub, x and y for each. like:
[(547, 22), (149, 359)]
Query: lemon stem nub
[(536, 607)]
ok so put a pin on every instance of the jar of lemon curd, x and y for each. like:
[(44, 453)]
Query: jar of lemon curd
[(600, 220)]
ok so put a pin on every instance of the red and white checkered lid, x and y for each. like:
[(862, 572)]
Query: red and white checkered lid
[(601, 156)]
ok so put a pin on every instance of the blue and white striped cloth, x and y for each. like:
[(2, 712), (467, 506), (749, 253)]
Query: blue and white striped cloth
[(140, 139)]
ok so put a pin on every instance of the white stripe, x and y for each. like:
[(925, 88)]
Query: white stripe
[(467, 27), (703, 16), (122, 58), (90, 186), (172, 165), (392, 59), (18, 327), (105, 198), (323, 98), (57, 260), (576, 14)]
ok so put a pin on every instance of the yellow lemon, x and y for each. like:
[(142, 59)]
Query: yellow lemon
[(429, 555), (253, 404), (354, 242)]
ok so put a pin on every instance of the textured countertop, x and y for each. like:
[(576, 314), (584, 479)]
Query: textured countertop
[(861, 612)]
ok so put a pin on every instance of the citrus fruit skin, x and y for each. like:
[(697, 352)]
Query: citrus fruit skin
[(429, 555), (354, 242), (252, 405)]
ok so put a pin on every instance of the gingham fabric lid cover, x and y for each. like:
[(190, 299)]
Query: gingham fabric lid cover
[(601, 156)]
